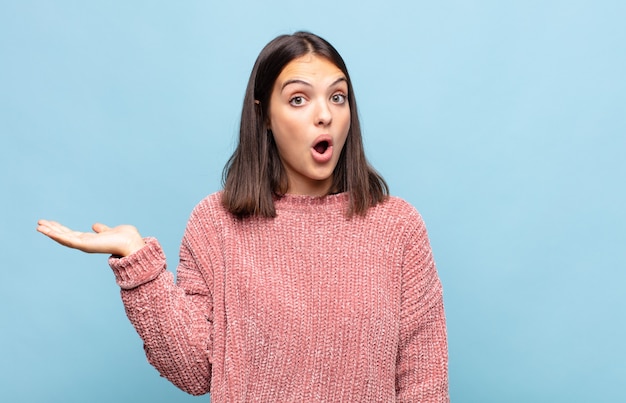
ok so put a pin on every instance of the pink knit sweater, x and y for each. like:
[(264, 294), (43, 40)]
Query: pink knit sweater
[(307, 307)]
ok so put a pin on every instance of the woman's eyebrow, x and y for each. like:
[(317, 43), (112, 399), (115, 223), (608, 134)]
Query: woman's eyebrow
[(299, 81)]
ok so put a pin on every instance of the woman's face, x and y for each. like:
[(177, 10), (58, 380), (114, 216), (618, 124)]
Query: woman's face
[(309, 116)]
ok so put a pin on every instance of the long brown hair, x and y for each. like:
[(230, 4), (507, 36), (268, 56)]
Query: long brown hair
[(254, 174)]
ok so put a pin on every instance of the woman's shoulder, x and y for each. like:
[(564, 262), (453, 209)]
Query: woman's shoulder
[(402, 218), (397, 213), (395, 206), (213, 199), (210, 205)]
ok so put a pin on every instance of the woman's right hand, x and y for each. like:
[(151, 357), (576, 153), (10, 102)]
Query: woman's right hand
[(121, 241)]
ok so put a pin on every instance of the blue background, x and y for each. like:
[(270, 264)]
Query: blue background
[(502, 122)]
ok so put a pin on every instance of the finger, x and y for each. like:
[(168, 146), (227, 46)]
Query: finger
[(45, 226), (69, 239), (99, 227), (46, 223), (53, 226), (44, 229)]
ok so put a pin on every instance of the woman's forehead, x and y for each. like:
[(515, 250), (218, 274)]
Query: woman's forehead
[(309, 68)]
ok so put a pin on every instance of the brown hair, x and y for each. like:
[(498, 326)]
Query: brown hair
[(254, 174)]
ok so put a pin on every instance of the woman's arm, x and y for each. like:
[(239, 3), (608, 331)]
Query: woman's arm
[(173, 320)]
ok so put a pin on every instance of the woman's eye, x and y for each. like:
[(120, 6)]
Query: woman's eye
[(296, 101), (339, 98)]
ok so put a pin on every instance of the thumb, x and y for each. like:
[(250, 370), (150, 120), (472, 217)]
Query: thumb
[(99, 227)]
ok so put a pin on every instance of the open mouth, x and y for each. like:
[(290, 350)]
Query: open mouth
[(321, 147)]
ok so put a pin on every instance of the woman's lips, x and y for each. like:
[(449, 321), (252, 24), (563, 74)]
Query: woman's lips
[(322, 149)]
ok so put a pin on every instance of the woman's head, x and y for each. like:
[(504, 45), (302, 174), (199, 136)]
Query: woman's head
[(309, 119), (297, 78)]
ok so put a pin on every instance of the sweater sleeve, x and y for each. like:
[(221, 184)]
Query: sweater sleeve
[(173, 320), (422, 363)]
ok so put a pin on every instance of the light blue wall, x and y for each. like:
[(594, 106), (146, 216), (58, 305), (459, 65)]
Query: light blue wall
[(502, 122)]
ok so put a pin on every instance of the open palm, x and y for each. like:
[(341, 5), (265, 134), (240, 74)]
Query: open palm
[(122, 240)]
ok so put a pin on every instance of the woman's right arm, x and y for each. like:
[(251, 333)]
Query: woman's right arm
[(174, 321)]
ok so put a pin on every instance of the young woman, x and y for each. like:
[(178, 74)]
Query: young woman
[(302, 280)]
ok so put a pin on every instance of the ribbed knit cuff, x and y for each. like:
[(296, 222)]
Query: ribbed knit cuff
[(139, 268)]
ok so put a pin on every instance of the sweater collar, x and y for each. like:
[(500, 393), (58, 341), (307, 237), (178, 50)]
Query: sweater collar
[(304, 203)]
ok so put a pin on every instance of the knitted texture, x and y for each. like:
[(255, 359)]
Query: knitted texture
[(309, 306)]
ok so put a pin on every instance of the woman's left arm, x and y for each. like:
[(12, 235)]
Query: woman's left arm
[(422, 365)]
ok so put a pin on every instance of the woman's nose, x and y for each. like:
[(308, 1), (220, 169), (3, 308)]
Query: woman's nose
[(324, 114)]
